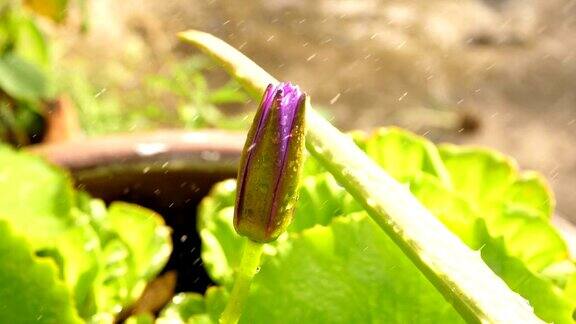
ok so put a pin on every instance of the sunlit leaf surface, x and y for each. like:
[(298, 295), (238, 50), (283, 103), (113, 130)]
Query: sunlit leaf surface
[(313, 274)]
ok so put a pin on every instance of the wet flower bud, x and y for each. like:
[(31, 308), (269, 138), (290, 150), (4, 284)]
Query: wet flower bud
[(270, 165)]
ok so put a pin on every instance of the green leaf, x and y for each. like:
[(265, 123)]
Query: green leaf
[(145, 234), (22, 80), (530, 238), (214, 225), (481, 175), (404, 154), (30, 290), (183, 307), (320, 194), (79, 248), (347, 272), (195, 308), (320, 200), (135, 247), (548, 301), (515, 207), (36, 197), (143, 318), (450, 208), (530, 192), (220, 254), (114, 283), (30, 43), (104, 256)]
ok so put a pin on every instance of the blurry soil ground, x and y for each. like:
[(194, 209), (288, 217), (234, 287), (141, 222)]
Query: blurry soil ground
[(495, 73)]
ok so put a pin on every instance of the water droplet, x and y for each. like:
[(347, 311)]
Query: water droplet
[(311, 57), (333, 100), (403, 96), (99, 93)]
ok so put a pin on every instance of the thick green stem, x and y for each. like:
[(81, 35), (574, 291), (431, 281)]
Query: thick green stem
[(248, 268), (457, 272)]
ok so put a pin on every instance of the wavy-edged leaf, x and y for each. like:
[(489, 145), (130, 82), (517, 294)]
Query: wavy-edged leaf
[(319, 201), (135, 246), (347, 272), (195, 308), (36, 198), (530, 192), (450, 208), (142, 318), (403, 154), (481, 175), (185, 307), (30, 290), (549, 302), (530, 238), (145, 234), (514, 206)]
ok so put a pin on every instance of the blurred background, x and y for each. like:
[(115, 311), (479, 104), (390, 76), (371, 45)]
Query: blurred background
[(499, 73)]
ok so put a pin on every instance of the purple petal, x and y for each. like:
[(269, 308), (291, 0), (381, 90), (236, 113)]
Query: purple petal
[(289, 100), (288, 106)]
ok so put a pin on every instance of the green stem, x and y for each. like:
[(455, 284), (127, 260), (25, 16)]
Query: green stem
[(456, 271), (248, 268)]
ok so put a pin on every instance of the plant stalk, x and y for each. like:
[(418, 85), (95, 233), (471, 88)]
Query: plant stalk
[(458, 272), (248, 268)]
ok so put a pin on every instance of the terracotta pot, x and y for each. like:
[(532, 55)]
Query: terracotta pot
[(167, 171)]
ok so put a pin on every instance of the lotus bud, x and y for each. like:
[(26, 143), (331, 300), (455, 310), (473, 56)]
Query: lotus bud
[(270, 165)]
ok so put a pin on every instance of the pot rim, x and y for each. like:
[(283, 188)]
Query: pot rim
[(141, 147)]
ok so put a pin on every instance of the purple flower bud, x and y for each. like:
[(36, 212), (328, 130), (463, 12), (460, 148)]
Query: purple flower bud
[(270, 165)]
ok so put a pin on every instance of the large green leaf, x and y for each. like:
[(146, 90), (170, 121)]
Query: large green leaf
[(29, 42), (185, 307), (220, 252), (105, 257), (79, 250), (450, 208), (135, 245), (30, 290), (21, 79), (147, 238), (347, 272), (41, 199), (36, 197), (321, 194), (146, 235), (403, 154), (549, 301), (519, 217), (514, 206), (529, 193)]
